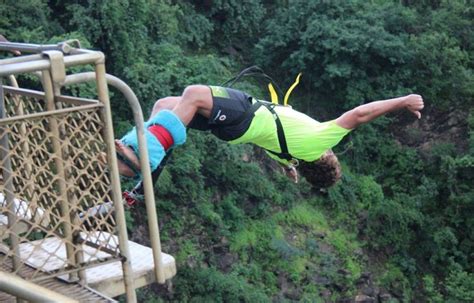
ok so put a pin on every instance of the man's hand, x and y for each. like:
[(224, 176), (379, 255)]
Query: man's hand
[(3, 39), (291, 173), (414, 103)]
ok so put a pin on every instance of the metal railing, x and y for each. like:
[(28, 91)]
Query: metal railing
[(29, 291), (52, 171)]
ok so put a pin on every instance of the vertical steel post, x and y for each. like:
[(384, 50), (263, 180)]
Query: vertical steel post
[(25, 146), (116, 191), (146, 174), (147, 181), (72, 200), (63, 195)]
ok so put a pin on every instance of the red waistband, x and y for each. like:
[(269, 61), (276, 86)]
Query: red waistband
[(163, 135)]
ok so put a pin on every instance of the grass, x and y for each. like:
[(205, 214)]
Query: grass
[(303, 215)]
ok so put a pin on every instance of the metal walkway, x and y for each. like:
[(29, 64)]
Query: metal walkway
[(74, 291)]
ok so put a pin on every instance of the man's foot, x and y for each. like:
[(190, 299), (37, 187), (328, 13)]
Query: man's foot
[(129, 154)]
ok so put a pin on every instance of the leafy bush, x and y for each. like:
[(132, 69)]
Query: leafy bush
[(210, 285)]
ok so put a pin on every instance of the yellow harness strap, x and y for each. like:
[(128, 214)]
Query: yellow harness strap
[(274, 95), (287, 95)]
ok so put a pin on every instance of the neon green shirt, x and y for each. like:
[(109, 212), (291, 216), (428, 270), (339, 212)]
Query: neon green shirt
[(307, 139)]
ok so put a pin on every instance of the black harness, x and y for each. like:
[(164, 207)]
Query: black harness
[(284, 153), (256, 71)]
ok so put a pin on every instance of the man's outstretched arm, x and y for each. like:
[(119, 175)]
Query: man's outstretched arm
[(368, 112)]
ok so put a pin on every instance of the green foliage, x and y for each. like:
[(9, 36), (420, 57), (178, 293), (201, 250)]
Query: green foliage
[(406, 194), (335, 48), (197, 29), (470, 123), (243, 239), (432, 294), (214, 286), (341, 242), (390, 223), (27, 21), (189, 251), (450, 60), (445, 240), (171, 71), (304, 215), (236, 24), (393, 278), (460, 286), (255, 239), (129, 219)]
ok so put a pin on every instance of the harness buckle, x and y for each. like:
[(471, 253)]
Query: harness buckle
[(294, 162)]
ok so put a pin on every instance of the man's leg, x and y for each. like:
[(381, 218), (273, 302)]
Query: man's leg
[(164, 103), (195, 99)]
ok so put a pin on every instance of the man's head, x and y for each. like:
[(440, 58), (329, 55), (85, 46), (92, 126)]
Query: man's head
[(322, 173)]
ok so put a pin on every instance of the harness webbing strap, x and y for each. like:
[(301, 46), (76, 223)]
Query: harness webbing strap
[(283, 154), (256, 71), (250, 112)]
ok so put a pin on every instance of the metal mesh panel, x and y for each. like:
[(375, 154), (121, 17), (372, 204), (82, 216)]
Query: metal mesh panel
[(58, 206)]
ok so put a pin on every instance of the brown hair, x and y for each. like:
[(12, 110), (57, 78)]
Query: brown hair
[(322, 173)]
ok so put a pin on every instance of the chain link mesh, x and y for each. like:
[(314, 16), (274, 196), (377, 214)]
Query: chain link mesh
[(55, 189)]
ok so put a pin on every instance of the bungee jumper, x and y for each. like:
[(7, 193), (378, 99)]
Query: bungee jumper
[(288, 136)]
